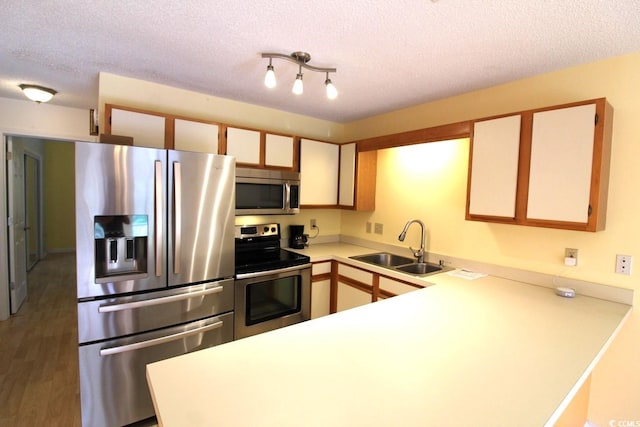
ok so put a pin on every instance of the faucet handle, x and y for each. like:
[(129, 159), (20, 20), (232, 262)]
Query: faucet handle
[(417, 253)]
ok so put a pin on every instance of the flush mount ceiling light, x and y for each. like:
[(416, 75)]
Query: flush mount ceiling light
[(302, 59), (37, 93)]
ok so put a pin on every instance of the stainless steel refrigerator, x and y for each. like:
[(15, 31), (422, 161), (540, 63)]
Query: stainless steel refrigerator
[(155, 265)]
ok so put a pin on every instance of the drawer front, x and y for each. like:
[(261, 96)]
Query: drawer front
[(114, 317), (321, 268), (355, 274), (396, 287), (113, 384)]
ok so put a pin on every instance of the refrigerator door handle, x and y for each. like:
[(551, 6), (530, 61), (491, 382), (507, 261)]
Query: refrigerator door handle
[(177, 216), (109, 308), (158, 217), (157, 341)]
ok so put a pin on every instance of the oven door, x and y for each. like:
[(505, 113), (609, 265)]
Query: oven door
[(269, 300)]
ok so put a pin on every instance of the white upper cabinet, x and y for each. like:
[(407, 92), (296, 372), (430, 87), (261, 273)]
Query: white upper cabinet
[(279, 150), (547, 167), (347, 174), (195, 136), (244, 145), (561, 164), (147, 130), (494, 167), (319, 172)]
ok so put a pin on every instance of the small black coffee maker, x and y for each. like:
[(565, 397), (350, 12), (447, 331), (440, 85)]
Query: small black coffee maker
[(297, 238)]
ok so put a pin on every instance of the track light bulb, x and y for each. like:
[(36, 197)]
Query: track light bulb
[(270, 77), (297, 85), (332, 92)]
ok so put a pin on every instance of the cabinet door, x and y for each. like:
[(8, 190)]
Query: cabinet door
[(561, 164), (494, 167), (147, 130), (244, 145), (354, 287), (320, 289), (347, 174), (320, 296), (196, 136), (350, 297), (318, 173), (278, 150), (396, 287)]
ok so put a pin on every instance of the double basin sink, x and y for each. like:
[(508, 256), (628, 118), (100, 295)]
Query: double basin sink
[(400, 263)]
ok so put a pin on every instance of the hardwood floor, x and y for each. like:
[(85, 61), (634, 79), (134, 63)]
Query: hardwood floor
[(39, 384)]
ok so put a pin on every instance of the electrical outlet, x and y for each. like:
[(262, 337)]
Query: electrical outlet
[(570, 257), (312, 223), (378, 228), (368, 227), (623, 264), (571, 252)]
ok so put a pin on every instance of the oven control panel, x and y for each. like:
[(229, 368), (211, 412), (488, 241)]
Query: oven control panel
[(259, 230)]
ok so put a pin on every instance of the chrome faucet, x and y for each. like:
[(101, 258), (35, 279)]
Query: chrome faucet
[(420, 252)]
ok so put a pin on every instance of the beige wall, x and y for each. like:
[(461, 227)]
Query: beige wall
[(439, 199), (59, 197), (130, 92)]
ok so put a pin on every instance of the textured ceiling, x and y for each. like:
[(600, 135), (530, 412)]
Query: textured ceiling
[(388, 54)]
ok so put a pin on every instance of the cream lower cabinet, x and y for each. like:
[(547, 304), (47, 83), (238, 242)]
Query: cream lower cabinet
[(354, 287), (390, 287), (320, 289)]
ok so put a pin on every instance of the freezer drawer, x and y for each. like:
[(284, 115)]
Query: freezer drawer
[(113, 385), (125, 315)]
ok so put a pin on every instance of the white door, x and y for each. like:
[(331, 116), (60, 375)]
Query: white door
[(32, 208), (16, 225)]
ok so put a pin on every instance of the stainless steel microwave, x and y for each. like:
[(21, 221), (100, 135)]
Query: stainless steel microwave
[(267, 192)]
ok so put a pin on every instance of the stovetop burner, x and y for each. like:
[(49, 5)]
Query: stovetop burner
[(258, 249)]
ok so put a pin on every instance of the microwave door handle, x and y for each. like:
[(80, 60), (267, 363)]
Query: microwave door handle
[(287, 196), (177, 216), (158, 217)]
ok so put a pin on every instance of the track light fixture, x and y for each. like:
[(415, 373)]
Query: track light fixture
[(302, 59), (37, 93)]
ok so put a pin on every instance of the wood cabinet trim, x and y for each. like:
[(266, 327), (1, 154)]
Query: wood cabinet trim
[(355, 284), (419, 136), (321, 277)]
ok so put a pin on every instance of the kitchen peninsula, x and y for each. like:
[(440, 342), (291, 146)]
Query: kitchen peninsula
[(484, 352)]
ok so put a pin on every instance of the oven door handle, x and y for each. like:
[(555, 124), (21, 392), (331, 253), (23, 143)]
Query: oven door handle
[(271, 272), (157, 341), (109, 308)]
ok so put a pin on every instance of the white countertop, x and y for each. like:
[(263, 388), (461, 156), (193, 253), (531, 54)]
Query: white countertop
[(484, 352)]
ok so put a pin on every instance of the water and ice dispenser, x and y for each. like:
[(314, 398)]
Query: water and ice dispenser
[(120, 246)]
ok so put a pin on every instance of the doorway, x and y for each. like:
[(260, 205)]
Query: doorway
[(41, 207)]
